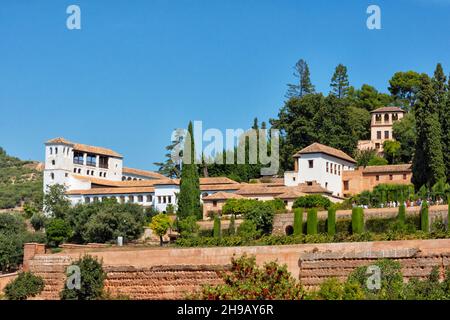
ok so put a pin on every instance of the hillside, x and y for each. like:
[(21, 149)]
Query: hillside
[(20, 181)]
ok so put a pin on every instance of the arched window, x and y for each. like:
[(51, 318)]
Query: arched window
[(123, 178), (51, 150), (386, 117), (289, 230), (56, 150)]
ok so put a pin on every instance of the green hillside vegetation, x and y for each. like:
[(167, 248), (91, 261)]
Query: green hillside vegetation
[(20, 182)]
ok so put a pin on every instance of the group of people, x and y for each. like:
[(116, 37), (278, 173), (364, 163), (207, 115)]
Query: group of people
[(407, 203)]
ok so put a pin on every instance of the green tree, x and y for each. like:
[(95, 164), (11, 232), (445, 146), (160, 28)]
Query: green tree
[(331, 221), (38, 221), (392, 151), (26, 285), (404, 131), (377, 161), (57, 231), (363, 157), (171, 167), (55, 201), (304, 86), (369, 98), (424, 218), (189, 196), (428, 162), (339, 82), (357, 220), (445, 127), (159, 225), (92, 278), (217, 228), (298, 221), (405, 86), (232, 226), (311, 221), (312, 201), (402, 213)]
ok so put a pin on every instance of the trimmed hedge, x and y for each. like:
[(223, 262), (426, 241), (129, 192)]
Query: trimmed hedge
[(357, 220), (402, 213), (217, 228), (298, 221), (424, 219), (331, 222), (311, 223)]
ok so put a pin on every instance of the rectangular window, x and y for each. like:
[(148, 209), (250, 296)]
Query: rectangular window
[(391, 177), (149, 198), (77, 157), (169, 199), (91, 160), (335, 166), (311, 163), (378, 135), (404, 176), (377, 178), (103, 162), (346, 185), (386, 134), (159, 199), (327, 167)]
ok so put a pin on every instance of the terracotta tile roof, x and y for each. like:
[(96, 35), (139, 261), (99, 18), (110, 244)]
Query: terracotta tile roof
[(388, 109), (106, 191), (260, 189), (86, 148), (144, 173), (291, 194), (320, 148), (222, 196), (220, 187), (217, 180), (314, 188), (111, 183), (388, 168)]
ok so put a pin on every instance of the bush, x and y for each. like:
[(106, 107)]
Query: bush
[(331, 222), (26, 285), (357, 220), (424, 219), (188, 227), (246, 281), (298, 221), (278, 205), (311, 222), (57, 231), (248, 230), (38, 221), (312, 201), (402, 213), (261, 214), (92, 281), (217, 231)]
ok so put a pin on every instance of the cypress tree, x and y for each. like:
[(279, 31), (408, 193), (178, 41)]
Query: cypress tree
[(298, 221), (232, 226), (311, 222), (402, 213), (357, 220), (339, 82), (189, 196), (428, 162), (448, 212), (331, 222), (217, 227), (424, 222), (445, 128)]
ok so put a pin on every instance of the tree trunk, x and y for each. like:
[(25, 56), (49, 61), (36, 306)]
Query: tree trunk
[(161, 241)]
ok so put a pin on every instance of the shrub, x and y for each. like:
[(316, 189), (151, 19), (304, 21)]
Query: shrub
[(188, 227), (24, 286), (298, 221), (278, 205), (170, 209), (246, 281), (57, 231), (331, 222), (424, 219), (248, 230), (217, 228), (311, 222), (357, 220), (92, 281), (262, 214), (37, 221), (312, 201)]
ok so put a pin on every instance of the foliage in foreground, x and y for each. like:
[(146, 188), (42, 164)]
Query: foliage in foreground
[(26, 285), (247, 281)]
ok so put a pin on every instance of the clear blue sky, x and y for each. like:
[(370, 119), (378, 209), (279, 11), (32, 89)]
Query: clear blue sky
[(138, 69)]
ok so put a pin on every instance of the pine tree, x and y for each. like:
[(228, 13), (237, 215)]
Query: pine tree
[(339, 82), (172, 166), (428, 162), (304, 86), (189, 196)]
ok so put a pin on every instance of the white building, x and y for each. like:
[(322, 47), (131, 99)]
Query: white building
[(322, 164)]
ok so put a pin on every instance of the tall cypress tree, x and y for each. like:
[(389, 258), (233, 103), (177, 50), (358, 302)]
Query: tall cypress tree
[(339, 82), (445, 127), (189, 197), (428, 162), (304, 86)]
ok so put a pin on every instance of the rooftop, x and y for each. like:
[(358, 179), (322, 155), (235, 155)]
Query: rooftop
[(321, 148), (85, 148), (388, 109), (388, 168), (223, 196), (144, 173)]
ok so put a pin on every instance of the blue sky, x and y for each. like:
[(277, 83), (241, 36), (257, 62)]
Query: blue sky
[(139, 69)]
